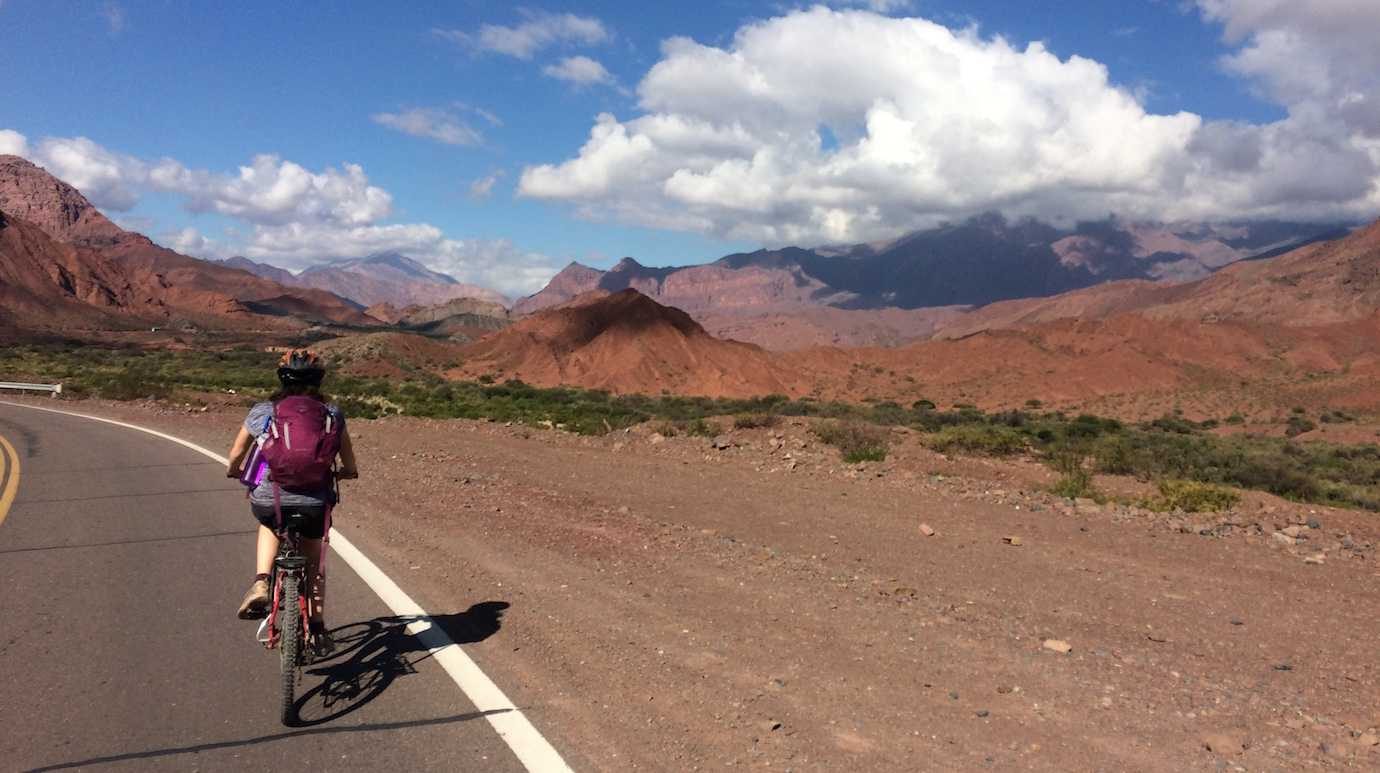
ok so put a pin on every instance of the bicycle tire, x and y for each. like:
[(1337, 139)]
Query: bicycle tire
[(289, 645)]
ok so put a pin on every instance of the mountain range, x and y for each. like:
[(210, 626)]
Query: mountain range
[(775, 297), (64, 265), (384, 277), (1302, 327)]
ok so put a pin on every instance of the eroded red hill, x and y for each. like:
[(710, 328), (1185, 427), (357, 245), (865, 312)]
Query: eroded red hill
[(626, 342)]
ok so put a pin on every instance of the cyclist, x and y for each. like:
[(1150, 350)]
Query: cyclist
[(300, 372)]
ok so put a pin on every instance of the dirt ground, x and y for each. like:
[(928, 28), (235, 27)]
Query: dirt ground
[(676, 606)]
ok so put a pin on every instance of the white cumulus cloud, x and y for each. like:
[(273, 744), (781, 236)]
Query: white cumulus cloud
[(432, 123), (109, 179), (539, 30), (579, 70), (275, 191), (13, 143), (825, 126), (294, 216)]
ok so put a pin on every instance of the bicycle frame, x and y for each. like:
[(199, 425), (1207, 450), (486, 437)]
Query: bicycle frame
[(289, 560)]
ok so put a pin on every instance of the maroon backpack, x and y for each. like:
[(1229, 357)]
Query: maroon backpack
[(303, 440)]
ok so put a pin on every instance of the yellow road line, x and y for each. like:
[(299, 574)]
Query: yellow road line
[(11, 485)]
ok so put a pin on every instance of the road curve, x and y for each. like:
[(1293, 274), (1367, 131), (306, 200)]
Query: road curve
[(122, 558)]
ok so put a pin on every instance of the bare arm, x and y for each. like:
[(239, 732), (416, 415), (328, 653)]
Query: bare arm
[(348, 468), (237, 452)]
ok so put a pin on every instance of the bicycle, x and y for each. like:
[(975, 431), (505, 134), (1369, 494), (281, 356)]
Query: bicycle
[(285, 627)]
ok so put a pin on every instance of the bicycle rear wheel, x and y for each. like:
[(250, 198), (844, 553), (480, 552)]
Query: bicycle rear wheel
[(289, 644)]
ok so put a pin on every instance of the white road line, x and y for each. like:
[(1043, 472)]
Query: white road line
[(531, 748)]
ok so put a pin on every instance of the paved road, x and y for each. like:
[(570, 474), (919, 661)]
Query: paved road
[(122, 559)]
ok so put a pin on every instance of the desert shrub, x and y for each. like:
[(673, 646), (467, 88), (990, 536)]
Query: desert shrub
[(1173, 424), (666, 429), (1034, 404), (1115, 456), (923, 405), (756, 421), (1236, 418), (1336, 417), (1192, 497), (889, 413), (856, 441), (1074, 479), (983, 439), (1298, 425), (701, 428)]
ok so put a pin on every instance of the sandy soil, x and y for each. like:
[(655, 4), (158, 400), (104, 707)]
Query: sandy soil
[(680, 607)]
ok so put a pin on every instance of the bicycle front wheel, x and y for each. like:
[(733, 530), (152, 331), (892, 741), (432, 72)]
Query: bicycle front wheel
[(289, 643)]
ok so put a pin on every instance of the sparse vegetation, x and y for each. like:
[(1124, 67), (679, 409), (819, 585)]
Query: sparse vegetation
[(756, 421), (981, 439), (1168, 448), (1298, 425), (1074, 479), (1191, 497), (858, 442)]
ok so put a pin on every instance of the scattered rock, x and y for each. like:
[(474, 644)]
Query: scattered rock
[(1316, 558), (1014, 541), (926, 530), (983, 713), (657, 438), (1282, 538), (1294, 531), (1368, 739), (1314, 523), (1059, 646), (1005, 689), (722, 442), (1224, 743)]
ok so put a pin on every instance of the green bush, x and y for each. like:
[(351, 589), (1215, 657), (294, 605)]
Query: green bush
[(1074, 479), (983, 439), (856, 441), (1192, 497)]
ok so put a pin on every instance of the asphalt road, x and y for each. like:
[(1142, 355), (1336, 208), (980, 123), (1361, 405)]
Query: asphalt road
[(122, 560)]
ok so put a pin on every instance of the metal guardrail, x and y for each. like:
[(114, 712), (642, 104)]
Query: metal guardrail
[(55, 389)]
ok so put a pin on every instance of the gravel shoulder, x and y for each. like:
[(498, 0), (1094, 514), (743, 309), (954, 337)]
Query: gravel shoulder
[(678, 606)]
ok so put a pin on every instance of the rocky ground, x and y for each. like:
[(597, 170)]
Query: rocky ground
[(759, 604)]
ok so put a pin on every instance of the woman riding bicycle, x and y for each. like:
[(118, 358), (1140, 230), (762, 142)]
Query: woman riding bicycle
[(299, 374)]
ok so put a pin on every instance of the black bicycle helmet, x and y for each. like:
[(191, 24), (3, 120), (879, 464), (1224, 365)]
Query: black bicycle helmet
[(301, 366)]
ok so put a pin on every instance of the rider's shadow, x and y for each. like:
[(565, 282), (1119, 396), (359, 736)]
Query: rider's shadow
[(371, 654)]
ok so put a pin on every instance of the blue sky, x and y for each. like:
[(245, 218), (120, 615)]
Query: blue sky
[(203, 88)]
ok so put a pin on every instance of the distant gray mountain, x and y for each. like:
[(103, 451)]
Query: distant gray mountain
[(384, 277), (982, 260)]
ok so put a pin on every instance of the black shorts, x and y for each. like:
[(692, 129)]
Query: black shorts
[(309, 519)]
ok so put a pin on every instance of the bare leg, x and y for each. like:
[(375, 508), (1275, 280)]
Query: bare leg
[(267, 550), (316, 583)]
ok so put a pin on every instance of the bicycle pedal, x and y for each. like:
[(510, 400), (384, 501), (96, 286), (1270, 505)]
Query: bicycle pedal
[(262, 635)]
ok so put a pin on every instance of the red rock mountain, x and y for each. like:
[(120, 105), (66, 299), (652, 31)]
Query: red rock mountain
[(1319, 284), (1301, 328), (626, 342), (773, 297), (64, 263)]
